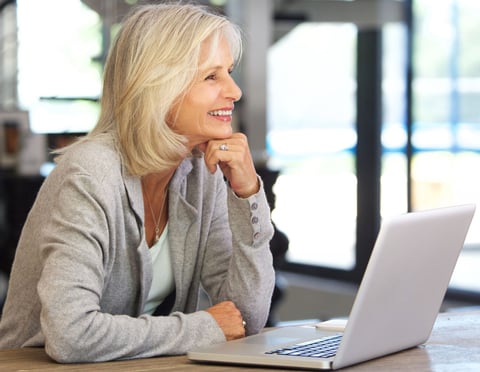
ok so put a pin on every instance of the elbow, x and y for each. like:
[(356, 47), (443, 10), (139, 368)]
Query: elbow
[(66, 352), (62, 355)]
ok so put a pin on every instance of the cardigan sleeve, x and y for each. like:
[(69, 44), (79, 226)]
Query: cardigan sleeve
[(238, 262)]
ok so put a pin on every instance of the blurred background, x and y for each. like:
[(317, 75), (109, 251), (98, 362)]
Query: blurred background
[(360, 110)]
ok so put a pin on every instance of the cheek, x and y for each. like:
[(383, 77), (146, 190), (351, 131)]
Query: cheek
[(192, 113), (180, 116), (201, 98), (187, 121)]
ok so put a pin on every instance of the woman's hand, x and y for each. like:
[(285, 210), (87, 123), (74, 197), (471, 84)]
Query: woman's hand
[(229, 319), (235, 160)]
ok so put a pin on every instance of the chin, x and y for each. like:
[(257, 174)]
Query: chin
[(221, 135), (228, 132)]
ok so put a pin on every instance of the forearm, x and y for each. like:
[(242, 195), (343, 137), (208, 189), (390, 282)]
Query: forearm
[(77, 328), (243, 274)]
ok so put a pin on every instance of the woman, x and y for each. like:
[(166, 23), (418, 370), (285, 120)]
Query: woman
[(159, 200)]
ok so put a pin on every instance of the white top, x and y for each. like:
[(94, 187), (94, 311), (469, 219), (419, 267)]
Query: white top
[(162, 282)]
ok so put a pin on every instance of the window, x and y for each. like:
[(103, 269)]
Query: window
[(446, 118), (59, 79), (312, 136)]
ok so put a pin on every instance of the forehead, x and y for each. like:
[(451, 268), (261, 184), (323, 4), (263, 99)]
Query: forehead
[(215, 51)]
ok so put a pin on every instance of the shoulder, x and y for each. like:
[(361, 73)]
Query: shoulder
[(94, 157)]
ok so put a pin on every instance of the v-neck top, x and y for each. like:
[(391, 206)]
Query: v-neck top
[(162, 282)]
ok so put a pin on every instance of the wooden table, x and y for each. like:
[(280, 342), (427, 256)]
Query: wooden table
[(453, 346)]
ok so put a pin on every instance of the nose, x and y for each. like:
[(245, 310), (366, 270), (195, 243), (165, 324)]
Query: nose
[(232, 90)]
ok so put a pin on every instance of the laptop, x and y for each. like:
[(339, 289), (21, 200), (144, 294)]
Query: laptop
[(395, 307)]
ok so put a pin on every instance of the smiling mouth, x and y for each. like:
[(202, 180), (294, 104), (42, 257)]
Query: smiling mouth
[(220, 113)]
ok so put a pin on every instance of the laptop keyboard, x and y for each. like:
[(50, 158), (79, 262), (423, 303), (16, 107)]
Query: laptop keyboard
[(324, 347)]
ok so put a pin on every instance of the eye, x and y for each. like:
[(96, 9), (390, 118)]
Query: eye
[(211, 77)]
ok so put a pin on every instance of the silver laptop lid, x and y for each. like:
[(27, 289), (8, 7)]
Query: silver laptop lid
[(405, 282)]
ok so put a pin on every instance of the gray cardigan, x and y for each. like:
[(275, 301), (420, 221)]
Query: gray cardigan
[(82, 270)]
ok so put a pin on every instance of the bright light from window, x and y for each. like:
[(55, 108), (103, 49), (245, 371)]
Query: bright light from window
[(58, 40)]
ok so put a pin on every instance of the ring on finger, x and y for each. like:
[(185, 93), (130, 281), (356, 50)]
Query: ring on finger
[(244, 323), (223, 147)]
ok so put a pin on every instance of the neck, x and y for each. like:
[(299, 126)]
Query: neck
[(153, 183)]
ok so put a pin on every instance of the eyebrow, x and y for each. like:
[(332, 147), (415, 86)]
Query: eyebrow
[(216, 67)]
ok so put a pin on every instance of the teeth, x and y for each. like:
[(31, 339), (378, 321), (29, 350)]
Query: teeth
[(221, 113)]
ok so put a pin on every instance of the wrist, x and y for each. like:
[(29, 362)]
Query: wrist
[(247, 192)]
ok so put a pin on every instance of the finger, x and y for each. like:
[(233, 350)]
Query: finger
[(220, 152)]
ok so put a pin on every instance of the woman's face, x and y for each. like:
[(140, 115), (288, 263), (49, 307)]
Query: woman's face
[(205, 112)]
